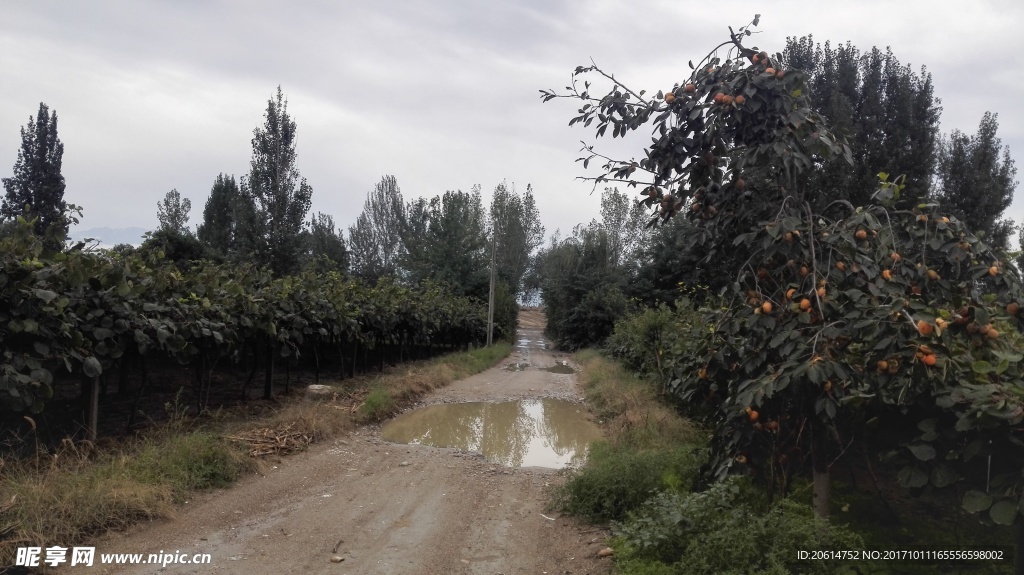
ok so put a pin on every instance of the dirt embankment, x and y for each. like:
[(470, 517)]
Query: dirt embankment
[(385, 508)]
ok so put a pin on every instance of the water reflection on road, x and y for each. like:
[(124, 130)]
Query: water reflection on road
[(527, 433)]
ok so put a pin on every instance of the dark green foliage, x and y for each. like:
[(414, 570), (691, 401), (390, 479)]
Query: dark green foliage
[(515, 223), (839, 315), (506, 312), (669, 263), (532, 279), (82, 311), (618, 479), (37, 182), (650, 340), (515, 233), (188, 463), (326, 249), (728, 529), (218, 228), (445, 241), (976, 180), (888, 114), (375, 240), (277, 198), (624, 220), (584, 278), (172, 213), (582, 288), (7, 228), (174, 246), (123, 249)]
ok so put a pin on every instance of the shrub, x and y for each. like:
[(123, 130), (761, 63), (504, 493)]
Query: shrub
[(618, 479), (188, 462), (727, 529), (378, 405), (638, 340), (652, 339)]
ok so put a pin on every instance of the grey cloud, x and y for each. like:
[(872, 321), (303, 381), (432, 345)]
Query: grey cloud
[(161, 95)]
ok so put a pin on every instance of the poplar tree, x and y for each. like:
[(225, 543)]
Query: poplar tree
[(172, 213), (37, 187), (375, 240), (976, 182), (218, 228), (275, 195), (887, 112), (516, 228), (326, 249)]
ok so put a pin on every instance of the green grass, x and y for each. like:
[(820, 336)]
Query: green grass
[(632, 409), (618, 479), (186, 463), (477, 360), (641, 480), (648, 447), (378, 405), (398, 387)]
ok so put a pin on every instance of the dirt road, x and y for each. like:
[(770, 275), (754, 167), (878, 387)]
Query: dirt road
[(386, 508)]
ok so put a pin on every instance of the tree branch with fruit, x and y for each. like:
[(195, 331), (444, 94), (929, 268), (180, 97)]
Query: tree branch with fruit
[(815, 334)]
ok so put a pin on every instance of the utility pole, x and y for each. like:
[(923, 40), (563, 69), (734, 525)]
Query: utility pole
[(490, 297)]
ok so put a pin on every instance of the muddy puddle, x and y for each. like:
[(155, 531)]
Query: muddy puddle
[(559, 368), (548, 433), (517, 366)]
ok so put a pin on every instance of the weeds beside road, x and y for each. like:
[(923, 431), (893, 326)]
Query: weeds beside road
[(642, 480)]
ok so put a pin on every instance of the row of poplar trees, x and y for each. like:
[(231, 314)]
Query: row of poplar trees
[(265, 218)]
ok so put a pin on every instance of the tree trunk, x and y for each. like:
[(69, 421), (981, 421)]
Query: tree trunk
[(252, 372), (138, 396), (316, 362), (343, 358), (355, 354), (92, 414), (268, 374), (819, 465), (122, 375)]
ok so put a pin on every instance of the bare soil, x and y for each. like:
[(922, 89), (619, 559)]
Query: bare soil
[(385, 508)]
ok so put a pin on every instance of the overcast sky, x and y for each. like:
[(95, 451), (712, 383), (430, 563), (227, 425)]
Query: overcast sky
[(155, 95)]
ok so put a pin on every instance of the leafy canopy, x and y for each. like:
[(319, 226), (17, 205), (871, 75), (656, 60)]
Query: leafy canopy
[(837, 317)]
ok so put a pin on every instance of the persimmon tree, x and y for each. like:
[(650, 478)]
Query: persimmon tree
[(839, 322)]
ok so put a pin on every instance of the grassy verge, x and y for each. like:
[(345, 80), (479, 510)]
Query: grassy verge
[(648, 447), (632, 410), (390, 392), (65, 496), (642, 481)]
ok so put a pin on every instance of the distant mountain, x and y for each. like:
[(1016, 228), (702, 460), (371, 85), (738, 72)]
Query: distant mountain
[(109, 237)]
